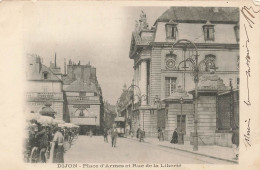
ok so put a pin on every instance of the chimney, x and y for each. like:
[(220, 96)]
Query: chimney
[(64, 65), (55, 61)]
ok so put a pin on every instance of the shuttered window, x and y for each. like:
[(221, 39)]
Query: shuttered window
[(209, 33), (171, 31)]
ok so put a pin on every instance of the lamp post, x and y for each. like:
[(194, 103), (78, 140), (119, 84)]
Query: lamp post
[(195, 74), (140, 99)]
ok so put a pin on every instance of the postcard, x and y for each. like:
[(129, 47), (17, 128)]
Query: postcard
[(130, 84)]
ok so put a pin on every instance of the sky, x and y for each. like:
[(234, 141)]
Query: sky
[(99, 34)]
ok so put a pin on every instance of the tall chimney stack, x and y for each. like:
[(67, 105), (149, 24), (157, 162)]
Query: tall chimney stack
[(65, 66), (55, 60)]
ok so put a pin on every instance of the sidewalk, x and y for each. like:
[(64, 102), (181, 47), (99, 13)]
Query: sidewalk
[(213, 151)]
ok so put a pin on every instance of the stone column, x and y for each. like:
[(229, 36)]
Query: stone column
[(143, 82)]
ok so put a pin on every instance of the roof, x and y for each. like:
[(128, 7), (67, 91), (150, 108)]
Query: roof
[(212, 14), (35, 74), (67, 80), (80, 86)]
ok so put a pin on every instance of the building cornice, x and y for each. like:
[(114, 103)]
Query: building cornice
[(43, 80), (189, 71), (199, 45), (75, 103), (42, 100), (196, 21)]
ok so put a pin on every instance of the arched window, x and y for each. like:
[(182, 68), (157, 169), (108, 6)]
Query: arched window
[(81, 114)]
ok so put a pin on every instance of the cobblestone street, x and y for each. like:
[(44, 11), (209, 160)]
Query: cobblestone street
[(94, 150)]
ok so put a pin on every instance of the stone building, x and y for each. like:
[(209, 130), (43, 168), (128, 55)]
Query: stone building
[(162, 71), (84, 102), (43, 87)]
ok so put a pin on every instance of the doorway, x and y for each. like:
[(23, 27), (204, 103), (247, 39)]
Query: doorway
[(181, 124)]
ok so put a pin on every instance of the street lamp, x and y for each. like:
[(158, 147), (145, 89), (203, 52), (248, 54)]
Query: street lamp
[(180, 136), (140, 99), (196, 71), (195, 74)]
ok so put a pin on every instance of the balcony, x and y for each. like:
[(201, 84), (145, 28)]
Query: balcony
[(43, 96)]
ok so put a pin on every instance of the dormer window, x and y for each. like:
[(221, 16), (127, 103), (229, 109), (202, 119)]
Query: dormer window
[(209, 31), (236, 29), (171, 30), (45, 75)]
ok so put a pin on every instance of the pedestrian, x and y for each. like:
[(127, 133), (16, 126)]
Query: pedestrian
[(159, 133), (114, 135), (141, 135), (90, 133), (105, 135), (137, 133), (235, 142), (58, 140), (42, 135), (132, 133), (174, 136)]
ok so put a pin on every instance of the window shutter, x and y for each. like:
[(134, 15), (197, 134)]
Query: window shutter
[(211, 34), (174, 32), (169, 30), (205, 33)]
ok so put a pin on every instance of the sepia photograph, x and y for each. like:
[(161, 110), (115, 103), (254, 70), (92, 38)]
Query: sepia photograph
[(131, 84)]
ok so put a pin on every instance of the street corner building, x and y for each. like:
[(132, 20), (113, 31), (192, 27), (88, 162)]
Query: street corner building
[(84, 101), (44, 92), (74, 96), (188, 52)]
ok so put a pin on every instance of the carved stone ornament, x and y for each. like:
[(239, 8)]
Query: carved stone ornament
[(170, 61)]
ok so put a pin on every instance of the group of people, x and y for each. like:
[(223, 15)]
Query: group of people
[(46, 141), (113, 133)]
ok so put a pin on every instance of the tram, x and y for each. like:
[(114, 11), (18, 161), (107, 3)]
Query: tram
[(120, 125)]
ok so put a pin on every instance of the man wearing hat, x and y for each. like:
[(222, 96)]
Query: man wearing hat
[(114, 135)]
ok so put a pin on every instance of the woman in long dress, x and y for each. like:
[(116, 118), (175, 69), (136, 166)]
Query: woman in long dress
[(174, 136)]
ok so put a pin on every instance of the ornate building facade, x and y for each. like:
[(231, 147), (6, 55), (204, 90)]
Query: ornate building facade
[(84, 101), (162, 69), (44, 87), (75, 96)]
